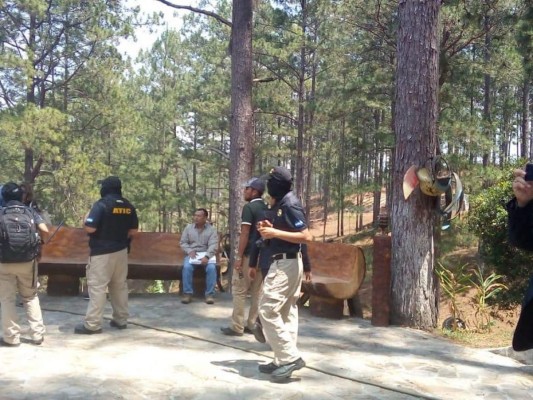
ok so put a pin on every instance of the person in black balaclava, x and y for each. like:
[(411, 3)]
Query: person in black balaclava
[(110, 224), (110, 185), (279, 183), (286, 235)]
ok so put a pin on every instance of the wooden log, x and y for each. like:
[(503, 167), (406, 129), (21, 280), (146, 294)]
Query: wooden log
[(153, 256), (338, 271)]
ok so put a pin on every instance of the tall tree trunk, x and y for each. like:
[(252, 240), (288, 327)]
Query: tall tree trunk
[(325, 202), (299, 181), (241, 113), (524, 151), (340, 179), (486, 88), (310, 140), (392, 162), (505, 130), (30, 99), (194, 167), (326, 184), (414, 286), (378, 168)]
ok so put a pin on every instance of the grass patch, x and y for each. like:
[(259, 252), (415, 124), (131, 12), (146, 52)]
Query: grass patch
[(475, 339)]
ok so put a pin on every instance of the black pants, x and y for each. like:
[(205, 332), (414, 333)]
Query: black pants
[(523, 334)]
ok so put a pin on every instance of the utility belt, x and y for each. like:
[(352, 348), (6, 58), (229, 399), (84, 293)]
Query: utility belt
[(284, 256)]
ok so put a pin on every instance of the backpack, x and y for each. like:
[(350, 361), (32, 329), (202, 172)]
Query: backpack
[(19, 239)]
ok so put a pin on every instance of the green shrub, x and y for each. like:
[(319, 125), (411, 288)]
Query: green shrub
[(458, 237), (487, 218), (156, 287)]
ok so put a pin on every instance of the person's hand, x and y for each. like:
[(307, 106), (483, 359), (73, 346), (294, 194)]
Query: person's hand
[(308, 276), (267, 232), (522, 189), (264, 223), (192, 254), (85, 218), (252, 273), (238, 264), (204, 260)]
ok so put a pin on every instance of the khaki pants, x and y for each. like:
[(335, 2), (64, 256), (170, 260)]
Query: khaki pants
[(107, 271), (21, 277), (239, 290), (278, 309)]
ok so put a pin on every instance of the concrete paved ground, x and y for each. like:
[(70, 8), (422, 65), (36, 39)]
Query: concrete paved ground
[(176, 351)]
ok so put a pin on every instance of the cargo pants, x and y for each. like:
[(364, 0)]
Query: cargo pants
[(278, 309)]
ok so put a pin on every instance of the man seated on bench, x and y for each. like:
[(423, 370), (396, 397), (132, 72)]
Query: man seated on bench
[(199, 241)]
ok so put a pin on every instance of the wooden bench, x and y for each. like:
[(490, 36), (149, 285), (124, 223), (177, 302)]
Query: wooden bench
[(338, 271), (153, 256)]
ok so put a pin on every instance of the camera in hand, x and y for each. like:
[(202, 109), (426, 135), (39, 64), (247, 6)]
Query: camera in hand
[(529, 172)]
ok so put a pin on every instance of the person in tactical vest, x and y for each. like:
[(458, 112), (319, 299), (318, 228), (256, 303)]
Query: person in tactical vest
[(286, 234), (19, 246), (111, 223)]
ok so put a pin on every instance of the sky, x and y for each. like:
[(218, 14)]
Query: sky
[(145, 38)]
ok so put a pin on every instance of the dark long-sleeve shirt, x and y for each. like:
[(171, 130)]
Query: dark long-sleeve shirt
[(521, 235), (520, 225)]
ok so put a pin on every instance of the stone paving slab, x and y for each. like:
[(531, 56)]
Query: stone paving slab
[(176, 351)]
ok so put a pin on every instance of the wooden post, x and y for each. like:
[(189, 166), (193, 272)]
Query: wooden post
[(381, 275)]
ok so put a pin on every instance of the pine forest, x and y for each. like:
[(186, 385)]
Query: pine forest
[(336, 88)]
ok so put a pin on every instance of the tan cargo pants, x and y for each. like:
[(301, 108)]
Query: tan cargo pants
[(239, 290), (278, 308), (21, 277), (107, 271)]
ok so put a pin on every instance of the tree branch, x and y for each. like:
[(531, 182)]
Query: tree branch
[(264, 80), (198, 11), (294, 120)]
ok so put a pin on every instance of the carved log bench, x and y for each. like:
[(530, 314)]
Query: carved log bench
[(153, 256), (338, 271)]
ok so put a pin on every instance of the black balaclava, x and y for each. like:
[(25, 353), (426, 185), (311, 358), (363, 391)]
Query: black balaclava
[(111, 184), (279, 183), (11, 191)]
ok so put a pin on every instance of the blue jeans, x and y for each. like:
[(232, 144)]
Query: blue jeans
[(210, 277)]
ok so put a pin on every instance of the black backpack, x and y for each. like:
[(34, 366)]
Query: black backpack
[(19, 239)]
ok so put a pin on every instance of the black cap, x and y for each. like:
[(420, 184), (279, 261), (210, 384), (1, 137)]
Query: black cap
[(111, 182), (281, 174), (11, 191)]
